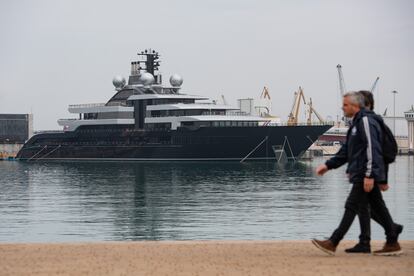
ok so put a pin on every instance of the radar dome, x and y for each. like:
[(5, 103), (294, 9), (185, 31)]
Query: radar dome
[(147, 79), (176, 80), (118, 82)]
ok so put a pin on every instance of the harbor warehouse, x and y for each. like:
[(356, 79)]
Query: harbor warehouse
[(15, 128)]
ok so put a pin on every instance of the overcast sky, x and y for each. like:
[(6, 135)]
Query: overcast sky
[(55, 53)]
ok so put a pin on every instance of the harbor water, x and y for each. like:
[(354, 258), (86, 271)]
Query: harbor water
[(109, 201)]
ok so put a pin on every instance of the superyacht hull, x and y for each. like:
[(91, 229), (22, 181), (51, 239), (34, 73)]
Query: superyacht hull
[(202, 144)]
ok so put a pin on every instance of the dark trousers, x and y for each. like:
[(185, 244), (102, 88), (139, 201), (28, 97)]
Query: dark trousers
[(360, 202), (378, 219)]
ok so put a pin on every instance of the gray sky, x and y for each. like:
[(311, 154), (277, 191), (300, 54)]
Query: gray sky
[(55, 53)]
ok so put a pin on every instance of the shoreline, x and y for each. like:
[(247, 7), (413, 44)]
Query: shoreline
[(197, 258)]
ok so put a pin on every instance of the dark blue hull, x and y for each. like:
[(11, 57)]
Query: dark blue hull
[(205, 143)]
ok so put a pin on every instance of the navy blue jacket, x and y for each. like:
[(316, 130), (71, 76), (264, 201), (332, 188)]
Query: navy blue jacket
[(362, 150)]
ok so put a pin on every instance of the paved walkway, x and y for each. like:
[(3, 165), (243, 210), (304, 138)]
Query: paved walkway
[(197, 258)]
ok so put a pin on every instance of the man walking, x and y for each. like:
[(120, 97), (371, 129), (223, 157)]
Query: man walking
[(363, 246), (363, 152)]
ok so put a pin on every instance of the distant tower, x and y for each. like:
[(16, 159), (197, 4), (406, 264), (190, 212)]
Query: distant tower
[(409, 116)]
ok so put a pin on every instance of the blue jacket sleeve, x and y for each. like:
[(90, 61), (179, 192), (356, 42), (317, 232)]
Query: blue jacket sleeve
[(375, 161), (340, 158)]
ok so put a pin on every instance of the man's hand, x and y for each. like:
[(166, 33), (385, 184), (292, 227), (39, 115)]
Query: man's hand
[(384, 187), (321, 169), (368, 184)]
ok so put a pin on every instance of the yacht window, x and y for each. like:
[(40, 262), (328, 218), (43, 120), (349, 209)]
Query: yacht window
[(156, 113), (187, 123), (193, 112)]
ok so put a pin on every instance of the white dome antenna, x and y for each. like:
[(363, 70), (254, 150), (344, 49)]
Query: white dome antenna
[(119, 82), (147, 79), (176, 80)]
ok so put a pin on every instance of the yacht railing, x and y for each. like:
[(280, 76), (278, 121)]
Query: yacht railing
[(205, 113), (237, 113), (47, 131), (305, 124), (86, 105)]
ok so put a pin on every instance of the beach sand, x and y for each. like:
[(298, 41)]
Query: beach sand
[(197, 258)]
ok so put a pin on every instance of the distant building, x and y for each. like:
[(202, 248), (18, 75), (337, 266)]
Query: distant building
[(409, 116), (15, 128)]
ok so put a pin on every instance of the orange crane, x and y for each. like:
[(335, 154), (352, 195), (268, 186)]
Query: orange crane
[(265, 93), (294, 113), (265, 103), (312, 110)]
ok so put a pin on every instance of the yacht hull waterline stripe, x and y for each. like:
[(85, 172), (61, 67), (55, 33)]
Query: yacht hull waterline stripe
[(151, 159)]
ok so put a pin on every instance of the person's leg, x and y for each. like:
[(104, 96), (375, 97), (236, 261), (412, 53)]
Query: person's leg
[(364, 217), (343, 227), (376, 217), (382, 214), (365, 237), (357, 202), (391, 247), (397, 227)]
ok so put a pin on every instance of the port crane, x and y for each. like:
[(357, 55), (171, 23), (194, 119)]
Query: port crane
[(313, 111), (293, 115), (342, 87), (374, 85), (373, 89), (265, 103), (265, 93), (342, 90)]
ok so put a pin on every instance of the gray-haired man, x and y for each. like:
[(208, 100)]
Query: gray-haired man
[(363, 152)]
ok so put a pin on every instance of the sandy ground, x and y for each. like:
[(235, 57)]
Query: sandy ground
[(197, 258)]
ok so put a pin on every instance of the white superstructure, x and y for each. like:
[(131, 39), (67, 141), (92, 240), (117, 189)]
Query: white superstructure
[(173, 111)]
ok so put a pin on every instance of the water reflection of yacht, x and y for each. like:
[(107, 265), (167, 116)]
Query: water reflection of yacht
[(146, 120)]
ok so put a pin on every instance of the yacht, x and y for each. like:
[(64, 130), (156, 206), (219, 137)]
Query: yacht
[(146, 120)]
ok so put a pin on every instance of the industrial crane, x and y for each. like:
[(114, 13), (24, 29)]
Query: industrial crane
[(312, 110), (265, 93), (265, 103), (342, 87), (293, 115), (374, 85)]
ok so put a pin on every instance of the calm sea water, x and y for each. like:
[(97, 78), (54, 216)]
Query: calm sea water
[(42, 202)]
